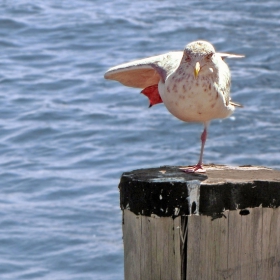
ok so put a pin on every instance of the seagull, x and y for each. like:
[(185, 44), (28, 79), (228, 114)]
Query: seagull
[(193, 84)]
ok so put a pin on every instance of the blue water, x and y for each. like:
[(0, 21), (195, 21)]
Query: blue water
[(66, 134)]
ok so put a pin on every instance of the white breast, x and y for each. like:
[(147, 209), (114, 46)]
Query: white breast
[(193, 99)]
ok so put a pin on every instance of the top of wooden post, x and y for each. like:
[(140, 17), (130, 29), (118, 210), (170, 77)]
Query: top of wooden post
[(168, 192)]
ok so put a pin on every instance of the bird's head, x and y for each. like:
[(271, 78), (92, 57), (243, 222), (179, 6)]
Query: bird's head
[(200, 56)]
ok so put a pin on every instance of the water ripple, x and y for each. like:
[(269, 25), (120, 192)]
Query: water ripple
[(67, 134)]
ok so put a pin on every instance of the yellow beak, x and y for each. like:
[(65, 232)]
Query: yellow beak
[(196, 69)]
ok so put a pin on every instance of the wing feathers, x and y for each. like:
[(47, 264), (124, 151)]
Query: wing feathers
[(145, 72), (134, 76)]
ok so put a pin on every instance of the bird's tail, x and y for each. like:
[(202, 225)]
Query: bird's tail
[(236, 104)]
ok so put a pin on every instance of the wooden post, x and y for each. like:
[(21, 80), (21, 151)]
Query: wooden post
[(224, 224)]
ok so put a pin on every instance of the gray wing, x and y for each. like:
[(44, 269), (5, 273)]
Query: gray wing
[(225, 77), (145, 72), (224, 80)]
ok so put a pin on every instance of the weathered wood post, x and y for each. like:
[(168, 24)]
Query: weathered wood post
[(224, 224)]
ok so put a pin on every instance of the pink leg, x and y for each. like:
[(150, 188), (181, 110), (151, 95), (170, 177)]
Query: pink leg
[(199, 167)]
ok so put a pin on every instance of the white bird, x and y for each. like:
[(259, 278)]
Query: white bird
[(194, 85)]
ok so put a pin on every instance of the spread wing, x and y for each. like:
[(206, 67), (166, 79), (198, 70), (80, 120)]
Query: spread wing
[(145, 72)]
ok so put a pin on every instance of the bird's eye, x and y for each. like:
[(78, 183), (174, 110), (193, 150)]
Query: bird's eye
[(209, 56), (187, 58)]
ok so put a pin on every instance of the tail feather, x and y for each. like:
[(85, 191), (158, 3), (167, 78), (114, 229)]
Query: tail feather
[(236, 104)]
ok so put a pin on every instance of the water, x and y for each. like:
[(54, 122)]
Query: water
[(67, 134)]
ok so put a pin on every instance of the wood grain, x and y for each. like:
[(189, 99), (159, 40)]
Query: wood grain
[(235, 233), (151, 247)]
